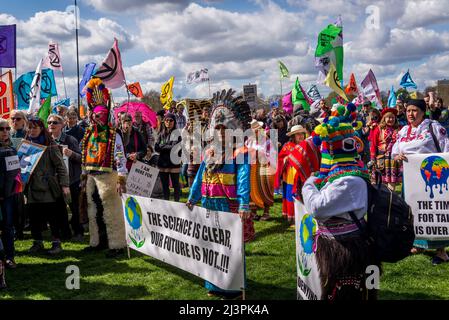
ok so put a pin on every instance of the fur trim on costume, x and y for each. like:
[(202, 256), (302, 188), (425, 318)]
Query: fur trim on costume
[(113, 213), (342, 263)]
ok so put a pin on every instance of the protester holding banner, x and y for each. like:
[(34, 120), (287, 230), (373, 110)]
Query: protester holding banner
[(169, 171), (223, 180), (383, 138), (48, 182), (135, 145), (9, 186), (71, 150), (18, 124), (336, 197), (422, 135)]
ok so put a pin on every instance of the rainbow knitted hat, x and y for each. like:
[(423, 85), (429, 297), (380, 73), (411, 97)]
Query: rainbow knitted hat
[(340, 147)]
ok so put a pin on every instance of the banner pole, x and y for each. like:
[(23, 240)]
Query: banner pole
[(77, 54), (129, 252), (243, 258)]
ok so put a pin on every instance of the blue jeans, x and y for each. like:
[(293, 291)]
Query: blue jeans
[(7, 206)]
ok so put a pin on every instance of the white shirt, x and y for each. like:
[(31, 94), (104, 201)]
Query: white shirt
[(337, 198), (420, 139)]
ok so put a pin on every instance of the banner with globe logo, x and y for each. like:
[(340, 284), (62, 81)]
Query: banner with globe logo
[(426, 191), (133, 215), (308, 277), (208, 244)]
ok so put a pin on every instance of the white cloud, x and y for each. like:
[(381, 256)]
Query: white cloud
[(137, 6), (209, 34), (422, 13)]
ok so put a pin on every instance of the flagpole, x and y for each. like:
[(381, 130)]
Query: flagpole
[(63, 80), (208, 81), (77, 56), (280, 81)]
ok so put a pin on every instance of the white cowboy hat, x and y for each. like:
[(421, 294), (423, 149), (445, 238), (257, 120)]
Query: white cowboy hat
[(296, 129), (256, 124)]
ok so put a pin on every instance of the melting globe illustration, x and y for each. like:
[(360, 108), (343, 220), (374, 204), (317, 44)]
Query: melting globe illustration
[(133, 213), (435, 172), (307, 232)]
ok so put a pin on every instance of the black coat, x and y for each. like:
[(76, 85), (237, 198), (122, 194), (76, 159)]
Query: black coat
[(164, 145), (77, 132), (75, 158), (7, 178), (131, 147)]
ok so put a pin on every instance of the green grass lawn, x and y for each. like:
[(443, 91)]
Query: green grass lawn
[(270, 261)]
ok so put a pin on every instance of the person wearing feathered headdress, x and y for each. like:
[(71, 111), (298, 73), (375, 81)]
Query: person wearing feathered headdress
[(104, 167), (334, 195), (222, 182)]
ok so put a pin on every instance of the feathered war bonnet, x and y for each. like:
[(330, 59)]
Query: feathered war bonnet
[(231, 112), (340, 147)]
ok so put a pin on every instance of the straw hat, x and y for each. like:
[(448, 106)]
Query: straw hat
[(256, 124), (296, 129)]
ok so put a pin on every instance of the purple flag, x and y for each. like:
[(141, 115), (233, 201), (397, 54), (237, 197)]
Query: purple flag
[(371, 89), (8, 46)]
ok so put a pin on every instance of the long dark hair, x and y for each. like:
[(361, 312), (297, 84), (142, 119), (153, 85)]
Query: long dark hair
[(48, 139)]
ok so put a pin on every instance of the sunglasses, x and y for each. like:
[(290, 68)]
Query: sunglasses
[(16, 119), (5, 129), (168, 120), (53, 122)]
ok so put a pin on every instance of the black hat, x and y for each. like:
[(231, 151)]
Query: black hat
[(420, 103)]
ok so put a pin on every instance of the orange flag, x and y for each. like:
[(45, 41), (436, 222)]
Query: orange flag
[(135, 89), (351, 88)]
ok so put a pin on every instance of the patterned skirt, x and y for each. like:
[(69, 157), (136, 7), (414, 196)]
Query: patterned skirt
[(390, 169)]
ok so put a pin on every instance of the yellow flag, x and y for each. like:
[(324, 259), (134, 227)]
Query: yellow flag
[(414, 95), (333, 82), (167, 93)]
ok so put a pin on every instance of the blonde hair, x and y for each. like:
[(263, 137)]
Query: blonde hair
[(57, 116), (383, 123), (20, 113)]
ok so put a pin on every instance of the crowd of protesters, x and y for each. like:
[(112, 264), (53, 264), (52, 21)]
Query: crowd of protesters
[(53, 191)]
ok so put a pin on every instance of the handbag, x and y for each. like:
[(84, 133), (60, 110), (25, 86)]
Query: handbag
[(380, 162)]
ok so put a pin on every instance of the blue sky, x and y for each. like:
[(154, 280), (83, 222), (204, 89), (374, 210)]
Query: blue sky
[(238, 41)]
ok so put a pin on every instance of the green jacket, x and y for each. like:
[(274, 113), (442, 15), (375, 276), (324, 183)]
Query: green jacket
[(48, 177)]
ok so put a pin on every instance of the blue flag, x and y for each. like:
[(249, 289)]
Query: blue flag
[(407, 82), (22, 87), (392, 98), (88, 72), (64, 102)]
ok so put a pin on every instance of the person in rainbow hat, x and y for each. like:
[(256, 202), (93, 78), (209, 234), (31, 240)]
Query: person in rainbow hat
[(334, 196)]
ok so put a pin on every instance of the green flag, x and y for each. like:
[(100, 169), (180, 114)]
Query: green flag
[(298, 96), (44, 110), (330, 47), (283, 69)]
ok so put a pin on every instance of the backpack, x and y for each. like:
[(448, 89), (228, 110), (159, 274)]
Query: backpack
[(389, 227)]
